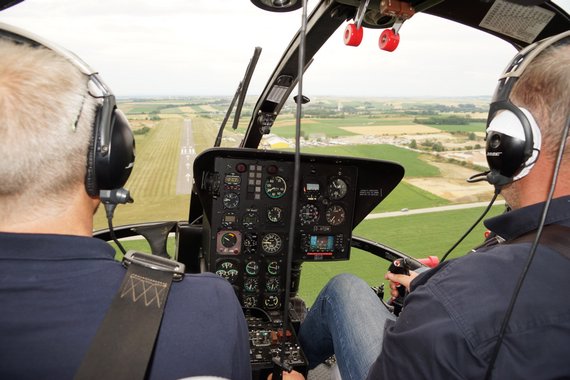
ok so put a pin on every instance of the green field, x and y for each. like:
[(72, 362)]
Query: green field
[(409, 196), (288, 130), (410, 160), (333, 127)]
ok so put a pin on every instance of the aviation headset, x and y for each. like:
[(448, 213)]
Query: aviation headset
[(513, 138), (111, 152)]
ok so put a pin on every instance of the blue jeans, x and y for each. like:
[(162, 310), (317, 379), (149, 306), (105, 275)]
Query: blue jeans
[(347, 320)]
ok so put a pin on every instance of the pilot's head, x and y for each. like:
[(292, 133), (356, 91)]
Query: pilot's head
[(62, 138), (544, 89), (527, 117), (46, 118)]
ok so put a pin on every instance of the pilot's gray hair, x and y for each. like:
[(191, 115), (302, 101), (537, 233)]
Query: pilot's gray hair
[(544, 89), (46, 119)]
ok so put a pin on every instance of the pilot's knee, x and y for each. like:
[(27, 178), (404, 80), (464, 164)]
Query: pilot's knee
[(346, 283)]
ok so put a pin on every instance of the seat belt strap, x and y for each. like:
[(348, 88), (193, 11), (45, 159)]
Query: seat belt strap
[(123, 345)]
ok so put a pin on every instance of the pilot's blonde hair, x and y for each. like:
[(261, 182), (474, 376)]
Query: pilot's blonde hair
[(45, 128), (544, 89)]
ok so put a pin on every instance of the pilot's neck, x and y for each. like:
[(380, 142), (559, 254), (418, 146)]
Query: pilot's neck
[(75, 217)]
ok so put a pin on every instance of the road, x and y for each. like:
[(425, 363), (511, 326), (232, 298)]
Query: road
[(187, 156), (430, 209)]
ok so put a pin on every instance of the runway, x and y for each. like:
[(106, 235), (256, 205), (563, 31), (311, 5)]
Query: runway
[(187, 155)]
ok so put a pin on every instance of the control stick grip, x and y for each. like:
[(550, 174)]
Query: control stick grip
[(399, 266)]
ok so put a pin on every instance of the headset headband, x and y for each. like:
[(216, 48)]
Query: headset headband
[(112, 150), (519, 63), (19, 35)]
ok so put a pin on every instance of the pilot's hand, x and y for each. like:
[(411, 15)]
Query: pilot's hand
[(399, 279), (293, 375)]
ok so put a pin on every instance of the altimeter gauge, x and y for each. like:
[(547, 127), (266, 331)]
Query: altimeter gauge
[(271, 243)]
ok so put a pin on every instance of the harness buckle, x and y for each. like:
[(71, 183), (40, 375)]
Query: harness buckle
[(156, 263)]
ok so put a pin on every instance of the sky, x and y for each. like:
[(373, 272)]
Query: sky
[(202, 47)]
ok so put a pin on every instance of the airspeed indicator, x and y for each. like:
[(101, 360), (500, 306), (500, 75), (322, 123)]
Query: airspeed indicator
[(275, 187)]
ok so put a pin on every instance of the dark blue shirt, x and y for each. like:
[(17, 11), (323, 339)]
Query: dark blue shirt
[(451, 318), (55, 291)]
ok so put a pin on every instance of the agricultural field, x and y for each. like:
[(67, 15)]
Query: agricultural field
[(409, 159), (428, 181)]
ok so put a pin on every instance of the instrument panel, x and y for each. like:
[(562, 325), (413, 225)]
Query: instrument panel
[(247, 198), (250, 217)]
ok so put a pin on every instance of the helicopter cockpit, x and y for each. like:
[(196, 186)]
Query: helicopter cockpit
[(258, 217)]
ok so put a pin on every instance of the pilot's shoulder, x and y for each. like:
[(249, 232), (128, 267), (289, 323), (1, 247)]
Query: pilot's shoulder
[(207, 286)]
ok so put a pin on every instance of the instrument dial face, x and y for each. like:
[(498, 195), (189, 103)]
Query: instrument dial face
[(275, 187), (337, 188), (250, 301), (229, 239), (231, 200), (273, 268), (252, 268), (275, 214), (271, 302), (335, 215), (308, 214), (272, 284), (251, 284), (250, 220), (227, 270), (271, 243)]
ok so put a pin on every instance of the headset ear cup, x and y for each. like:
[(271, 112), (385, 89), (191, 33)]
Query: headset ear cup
[(505, 154), (114, 168), (512, 140)]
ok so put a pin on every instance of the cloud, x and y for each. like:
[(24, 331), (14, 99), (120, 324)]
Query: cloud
[(202, 47)]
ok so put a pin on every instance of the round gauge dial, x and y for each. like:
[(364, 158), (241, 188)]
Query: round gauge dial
[(250, 242), (335, 215), (273, 268), (275, 187), (272, 284), (271, 243), (227, 270), (271, 302), (274, 214), (337, 188), (230, 200), (250, 220), (251, 284), (250, 301), (308, 214), (252, 268), (229, 239)]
